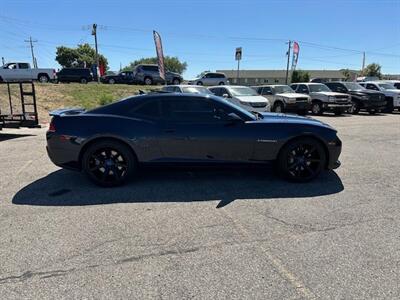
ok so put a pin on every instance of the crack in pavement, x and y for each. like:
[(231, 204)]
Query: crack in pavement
[(29, 274)]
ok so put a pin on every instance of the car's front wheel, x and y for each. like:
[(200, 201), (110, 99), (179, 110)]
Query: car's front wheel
[(354, 108), (316, 108), (278, 107), (176, 81), (111, 81), (109, 163), (301, 160)]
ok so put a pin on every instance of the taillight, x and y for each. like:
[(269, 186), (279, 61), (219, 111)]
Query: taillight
[(52, 127)]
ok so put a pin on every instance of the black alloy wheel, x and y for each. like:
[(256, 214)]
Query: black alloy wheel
[(108, 163), (354, 108), (301, 160)]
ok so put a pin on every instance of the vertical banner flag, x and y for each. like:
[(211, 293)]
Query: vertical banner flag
[(296, 50), (160, 55)]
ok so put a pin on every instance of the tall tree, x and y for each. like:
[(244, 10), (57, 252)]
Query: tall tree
[(372, 70), (172, 64), (83, 54), (300, 76)]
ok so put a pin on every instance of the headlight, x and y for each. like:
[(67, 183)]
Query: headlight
[(331, 99)]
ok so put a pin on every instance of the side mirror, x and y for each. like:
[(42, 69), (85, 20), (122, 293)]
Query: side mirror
[(234, 118), (225, 95)]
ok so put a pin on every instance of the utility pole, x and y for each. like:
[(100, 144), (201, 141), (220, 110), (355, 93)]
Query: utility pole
[(363, 62), (30, 41), (288, 60), (94, 32)]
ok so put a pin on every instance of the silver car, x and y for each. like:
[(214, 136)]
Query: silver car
[(242, 96), (186, 89), (210, 78)]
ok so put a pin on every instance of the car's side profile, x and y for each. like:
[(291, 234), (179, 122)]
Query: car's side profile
[(210, 79), (110, 143)]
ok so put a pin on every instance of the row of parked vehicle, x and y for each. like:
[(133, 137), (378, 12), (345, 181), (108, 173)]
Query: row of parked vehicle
[(335, 97)]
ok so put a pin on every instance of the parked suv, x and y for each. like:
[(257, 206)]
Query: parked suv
[(282, 98), (322, 98), (392, 95), (74, 75), (242, 96), (361, 98), (121, 77), (210, 78), (150, 74)]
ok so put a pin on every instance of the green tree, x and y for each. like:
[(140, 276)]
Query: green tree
[(300, 76), (347, 74), (172, 64), (84, 53), (372, 70)]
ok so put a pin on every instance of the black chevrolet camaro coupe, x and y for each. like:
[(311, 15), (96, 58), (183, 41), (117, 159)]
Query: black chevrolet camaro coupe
[(111, 142)]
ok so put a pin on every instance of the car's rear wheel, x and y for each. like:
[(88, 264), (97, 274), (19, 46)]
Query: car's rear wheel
[(148, 81), (83, 80), (301, 160), (354, 108), (316, 108), (109, 163), (43, 78), (111, 81), (278, 107), (176, 81)]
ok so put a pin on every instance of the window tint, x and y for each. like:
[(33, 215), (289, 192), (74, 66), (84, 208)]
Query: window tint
[(150, 109), (372, 87), (189, 110), (302, 88), (219, 76), (336, 87), (23, 66), (294, 86), (216, 91), (267, 90)]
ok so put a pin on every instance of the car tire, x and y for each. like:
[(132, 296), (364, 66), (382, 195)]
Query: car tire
[(148, 81), (43, 78), (83, 80), (301, 160), (176, 81), (109, 163), (278, 107), (199, 83), (111, 81), (354, 109), (221, 83), (316, 108)]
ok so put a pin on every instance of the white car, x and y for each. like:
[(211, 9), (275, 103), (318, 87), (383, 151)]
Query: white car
[(185, 88), (389, 90), (323, 99), (210, 79), (21, 71), (243, 96), (282, 98)]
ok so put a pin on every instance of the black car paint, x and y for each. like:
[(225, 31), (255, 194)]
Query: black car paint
[(375, 101), (123, 77), (156, 141)]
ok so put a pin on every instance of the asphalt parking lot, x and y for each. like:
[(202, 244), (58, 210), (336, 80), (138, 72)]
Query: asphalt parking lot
[(211, 234)]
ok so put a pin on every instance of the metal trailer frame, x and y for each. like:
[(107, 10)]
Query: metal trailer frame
[(28, 116)]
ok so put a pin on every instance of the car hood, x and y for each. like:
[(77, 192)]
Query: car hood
[(329, 93), (251, 98), (291, 95), (365, 92), (293, 119)]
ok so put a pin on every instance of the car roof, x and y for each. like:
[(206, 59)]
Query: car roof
[(185, 85), (228, 86)]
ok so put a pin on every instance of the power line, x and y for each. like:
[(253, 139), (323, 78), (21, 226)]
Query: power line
[(30, 41)]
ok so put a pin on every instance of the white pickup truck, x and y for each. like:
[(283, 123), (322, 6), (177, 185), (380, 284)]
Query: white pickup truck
[(21, 71)]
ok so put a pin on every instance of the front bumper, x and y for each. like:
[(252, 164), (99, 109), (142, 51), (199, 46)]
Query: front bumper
[(298, 106), (336, 106)]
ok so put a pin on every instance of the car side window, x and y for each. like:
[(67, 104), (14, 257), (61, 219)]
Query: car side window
[(216, 91), (303, 89), (294, 86), (267, 90), (148, 109), (23, 66), (371, 86), (189, 110)]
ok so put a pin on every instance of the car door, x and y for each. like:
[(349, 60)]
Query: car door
[(197, 129), (25, 73)]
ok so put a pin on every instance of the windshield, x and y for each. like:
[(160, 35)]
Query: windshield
[(242, 91), (281, 89), (315, 88), (386, 86), (196, 90), (351, 86)]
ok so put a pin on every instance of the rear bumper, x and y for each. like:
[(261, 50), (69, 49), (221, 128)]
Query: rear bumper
[(63, 152)]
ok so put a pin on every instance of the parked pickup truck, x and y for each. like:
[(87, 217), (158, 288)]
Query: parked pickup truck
[(392, 95), (323, 99), (21, 71), (361, 98)]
